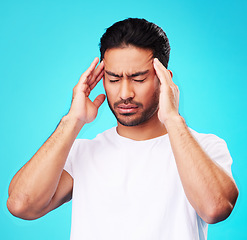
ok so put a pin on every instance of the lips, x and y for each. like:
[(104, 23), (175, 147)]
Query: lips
[(127, 108)]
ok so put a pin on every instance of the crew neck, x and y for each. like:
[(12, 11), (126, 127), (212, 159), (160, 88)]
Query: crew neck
[(125, 139)]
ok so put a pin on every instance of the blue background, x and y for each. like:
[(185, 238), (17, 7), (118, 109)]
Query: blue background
[(46, 45)]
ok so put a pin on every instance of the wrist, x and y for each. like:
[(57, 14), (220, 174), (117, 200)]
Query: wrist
[(174, 121), (72, 121)]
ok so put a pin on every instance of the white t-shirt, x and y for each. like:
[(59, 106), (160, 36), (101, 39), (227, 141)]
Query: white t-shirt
[(131, 190)]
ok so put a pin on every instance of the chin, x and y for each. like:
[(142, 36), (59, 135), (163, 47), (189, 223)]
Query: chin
[(132, 121)]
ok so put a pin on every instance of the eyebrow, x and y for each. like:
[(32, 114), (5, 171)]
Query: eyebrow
[(136, 74)]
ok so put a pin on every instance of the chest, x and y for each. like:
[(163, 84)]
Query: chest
[(129, 176)]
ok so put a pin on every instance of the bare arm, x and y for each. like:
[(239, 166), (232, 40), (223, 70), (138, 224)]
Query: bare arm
[(34, 186), (210, 190), (41, 184)]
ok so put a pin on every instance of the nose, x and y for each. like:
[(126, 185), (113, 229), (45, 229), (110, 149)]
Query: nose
[(126, 89)]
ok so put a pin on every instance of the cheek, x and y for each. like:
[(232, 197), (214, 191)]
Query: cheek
[(149, 88), (110, 92), (149, 94)]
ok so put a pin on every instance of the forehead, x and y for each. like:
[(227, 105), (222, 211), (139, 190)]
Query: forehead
[(128, 59)]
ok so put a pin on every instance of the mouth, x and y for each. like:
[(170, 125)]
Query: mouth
[(127, 108)]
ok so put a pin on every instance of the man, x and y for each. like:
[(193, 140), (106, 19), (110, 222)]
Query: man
[(151, 177)]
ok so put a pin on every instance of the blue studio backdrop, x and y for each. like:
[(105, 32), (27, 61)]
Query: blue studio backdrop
[(46, 45)]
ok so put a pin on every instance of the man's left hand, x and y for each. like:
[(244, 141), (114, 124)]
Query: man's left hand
[(169, 93)]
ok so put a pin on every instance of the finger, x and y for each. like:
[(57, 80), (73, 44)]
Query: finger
[(86, 74), (160, 70), (162, 73), (87, 92), (97, 80), (96, 73), (99, 100)]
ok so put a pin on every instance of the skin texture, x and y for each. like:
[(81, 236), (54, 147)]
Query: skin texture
[(121, 91), (144, 110), (128, 91), (42, 185)]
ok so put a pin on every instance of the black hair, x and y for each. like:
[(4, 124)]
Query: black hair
[(139, 33)]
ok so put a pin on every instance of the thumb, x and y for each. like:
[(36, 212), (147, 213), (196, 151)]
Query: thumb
[(99, 100)]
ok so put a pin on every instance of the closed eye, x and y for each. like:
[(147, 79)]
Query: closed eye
[(116, 80), (135, 80), (141, 80)]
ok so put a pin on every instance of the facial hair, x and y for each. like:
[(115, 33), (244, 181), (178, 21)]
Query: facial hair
[(129, 119)]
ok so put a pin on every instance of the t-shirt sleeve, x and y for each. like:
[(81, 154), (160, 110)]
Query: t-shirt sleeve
[(217, 150), (68, 167)]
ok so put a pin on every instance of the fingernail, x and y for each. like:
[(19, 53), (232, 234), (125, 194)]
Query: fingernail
[(155, 60)]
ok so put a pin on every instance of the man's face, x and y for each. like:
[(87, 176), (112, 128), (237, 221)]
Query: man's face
[(131, 85)]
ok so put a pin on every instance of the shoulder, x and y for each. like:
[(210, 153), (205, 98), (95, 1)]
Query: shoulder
[(207, 139), (83, 149), (215, 147)]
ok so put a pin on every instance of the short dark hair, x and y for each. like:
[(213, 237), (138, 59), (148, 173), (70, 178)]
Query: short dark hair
[(139, 33)]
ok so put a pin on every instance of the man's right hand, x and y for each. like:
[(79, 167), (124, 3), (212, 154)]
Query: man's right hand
[(82, 108), (42, 184)]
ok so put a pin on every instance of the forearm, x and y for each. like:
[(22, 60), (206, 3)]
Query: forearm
[(207, 186), (41, 185), (37, 181)]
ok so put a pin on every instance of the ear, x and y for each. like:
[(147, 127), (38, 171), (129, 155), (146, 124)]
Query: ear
[(170, 73)]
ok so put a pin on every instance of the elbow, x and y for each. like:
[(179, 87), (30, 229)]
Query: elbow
[(218, 214), (15, 207), (221, 211), (20, 209)]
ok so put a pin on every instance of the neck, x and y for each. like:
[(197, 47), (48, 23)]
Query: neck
[(150, 129)]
